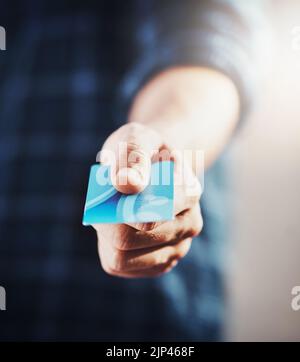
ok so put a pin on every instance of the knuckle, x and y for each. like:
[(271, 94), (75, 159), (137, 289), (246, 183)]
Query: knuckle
[(157, 238), (122, 238), (105, 266), (121, 244), (108, 270), (116, 262), (193, 198), (184, 248), (148, 226), (135, 148), (196, 228), (136, 155)]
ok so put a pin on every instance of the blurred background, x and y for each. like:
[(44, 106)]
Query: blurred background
[(265, 250)]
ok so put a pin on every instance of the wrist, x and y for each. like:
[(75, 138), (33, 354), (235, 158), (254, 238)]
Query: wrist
[(191, 108)]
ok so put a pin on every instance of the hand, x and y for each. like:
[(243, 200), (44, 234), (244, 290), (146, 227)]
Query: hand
[(149, 249)]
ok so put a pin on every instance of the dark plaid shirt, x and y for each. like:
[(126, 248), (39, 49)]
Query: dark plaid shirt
[(66, 80)]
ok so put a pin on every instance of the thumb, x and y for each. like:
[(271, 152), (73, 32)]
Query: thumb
[(134, 145)]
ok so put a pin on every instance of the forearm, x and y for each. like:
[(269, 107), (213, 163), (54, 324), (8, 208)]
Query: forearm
[(192, 107)]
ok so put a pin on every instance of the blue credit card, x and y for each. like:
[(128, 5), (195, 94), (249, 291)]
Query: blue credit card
[(104, 204)]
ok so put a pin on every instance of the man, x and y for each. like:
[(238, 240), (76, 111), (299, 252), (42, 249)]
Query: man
[(155, 74)]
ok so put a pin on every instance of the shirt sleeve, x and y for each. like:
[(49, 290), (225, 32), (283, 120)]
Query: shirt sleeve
[(221, 34)]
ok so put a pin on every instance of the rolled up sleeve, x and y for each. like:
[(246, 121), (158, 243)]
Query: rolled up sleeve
[(222, 35)]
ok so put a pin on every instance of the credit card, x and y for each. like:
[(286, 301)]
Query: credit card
[(104, 204)]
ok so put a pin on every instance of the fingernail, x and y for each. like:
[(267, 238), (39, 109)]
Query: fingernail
[(129, 176)]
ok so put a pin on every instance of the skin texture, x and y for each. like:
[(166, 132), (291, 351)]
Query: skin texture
[(181, 108)]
